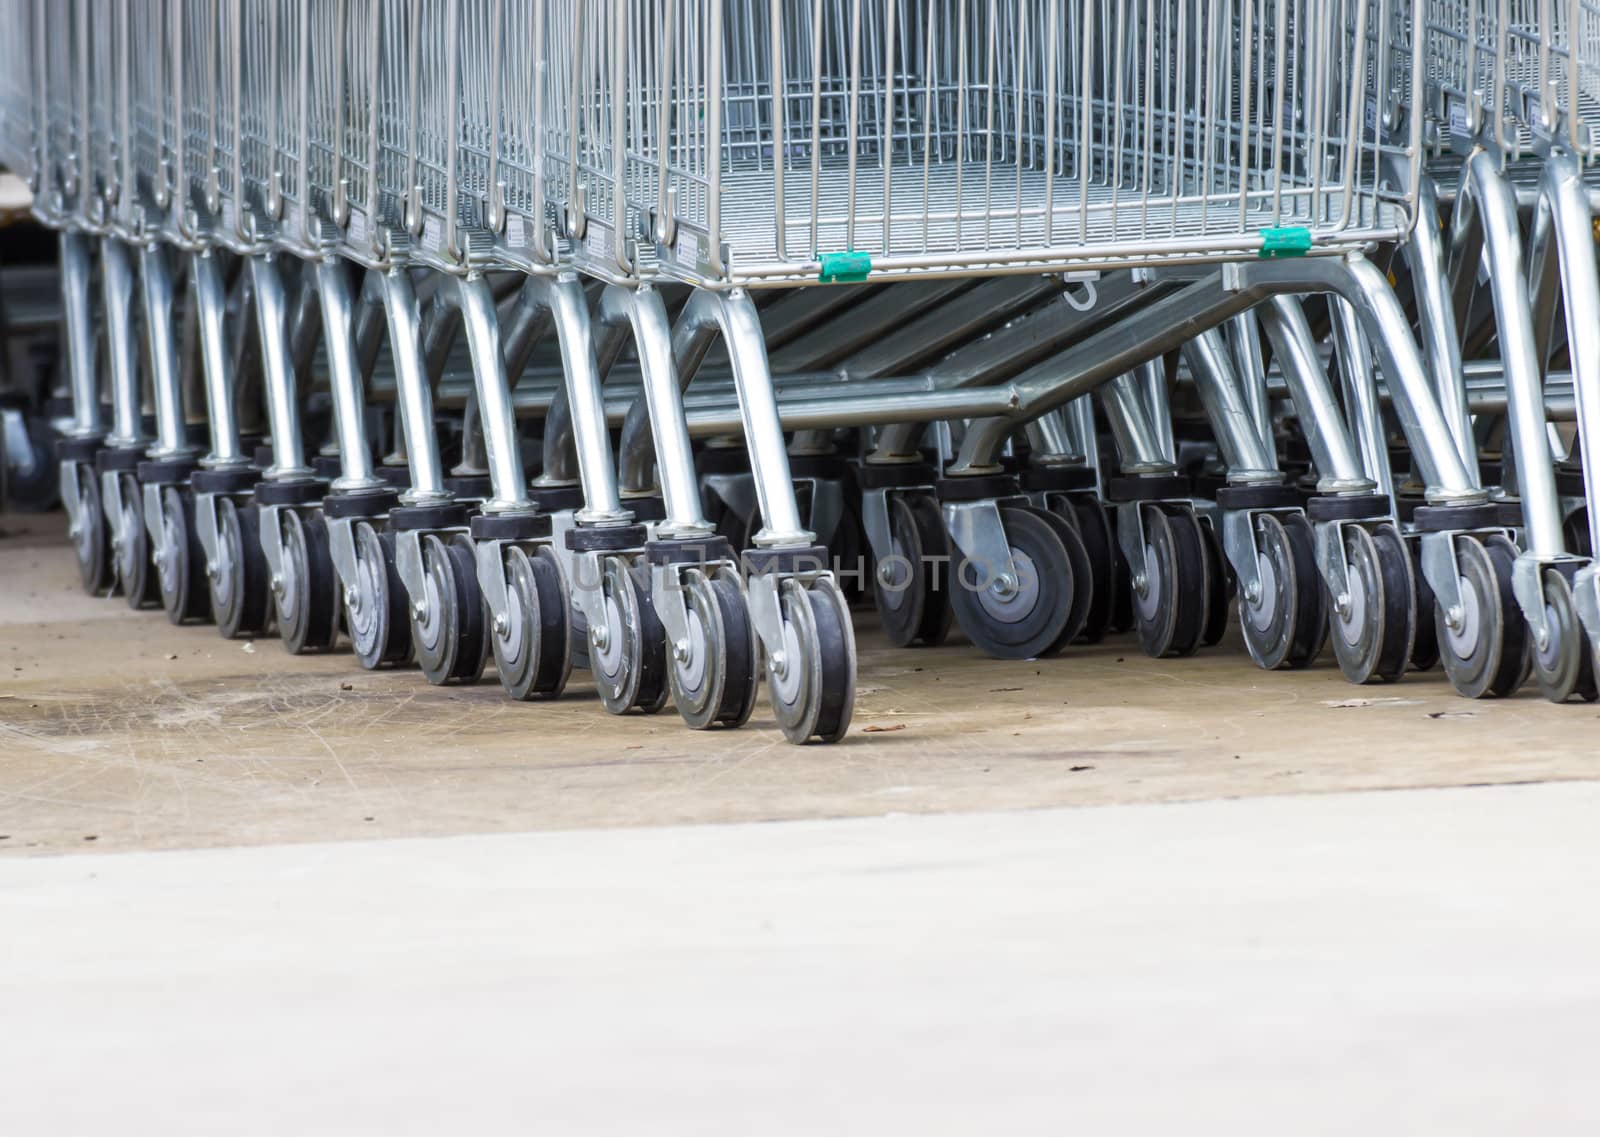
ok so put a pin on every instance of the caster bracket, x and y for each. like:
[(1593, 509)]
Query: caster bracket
[(342, 550), (205, 524), (71, 497), (111, 505), (153, 524), (1239, 542), (1527, 584), (582, 570), (976, 529), (272, 543)]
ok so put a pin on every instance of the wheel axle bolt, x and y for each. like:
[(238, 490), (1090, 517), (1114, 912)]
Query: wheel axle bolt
[(599, 637), (277, 585), (1253, 592), (420, 608), (680, 651), (1453, 616), (885, 574), (1141, 583), (350, 597), (1341, 604), (779, 663), (1005, 584), (501, 624)]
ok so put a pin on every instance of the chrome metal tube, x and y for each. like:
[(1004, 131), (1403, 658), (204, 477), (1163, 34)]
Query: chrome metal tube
[(211, 310), (122, 344), (79, 334), (1339, 468), (344, 376), (156, 291), (278, 375)]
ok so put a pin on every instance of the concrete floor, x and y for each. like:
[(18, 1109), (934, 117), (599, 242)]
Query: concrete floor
[(119, 731), (1396, 963)]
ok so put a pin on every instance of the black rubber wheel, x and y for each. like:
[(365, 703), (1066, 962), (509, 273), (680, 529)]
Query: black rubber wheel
[(1218, 587), (911, 586), (241, 601), (1170, 615), (1486, 655), (714, 678), (181, 559), (135, 570), (1027, 620), (308, 599), (92, 540), (531, 648), (448, 634), (813, 685), (629, 663), (1425, 646), (1276, 623), (1123, 616), (375, 608), (1089, 518), (1564, 666), (1372, 633), (1081, 597)]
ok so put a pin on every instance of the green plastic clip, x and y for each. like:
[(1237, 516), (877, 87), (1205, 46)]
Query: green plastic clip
[(844, 268), (1293, 241)]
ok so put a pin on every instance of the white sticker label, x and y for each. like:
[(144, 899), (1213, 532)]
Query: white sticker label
[(356, 231), (229, 215), (1458, 119), (432, 233), (688, 249), (516, 231)]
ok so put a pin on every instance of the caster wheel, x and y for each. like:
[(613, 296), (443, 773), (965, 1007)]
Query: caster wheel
[(714, 676), (92, 540), (240, 597), (813, 683), (1284, 625), (1485, 652), (911, 586), (1092, 523), (448, 634), (135, 570), (181, 560), (1028, 617), (531, 653), (1425, 647), (375, 607), (1564, 665), (1081, 596), (1170, 614), (308, 601), (627, 656), (1218, 588), (1372, 631)]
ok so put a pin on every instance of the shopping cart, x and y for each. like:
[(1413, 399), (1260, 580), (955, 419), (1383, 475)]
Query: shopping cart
[(1509, 87), (787, 145)]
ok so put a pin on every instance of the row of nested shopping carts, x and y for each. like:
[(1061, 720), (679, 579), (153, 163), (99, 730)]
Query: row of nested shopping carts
[(622, 329)]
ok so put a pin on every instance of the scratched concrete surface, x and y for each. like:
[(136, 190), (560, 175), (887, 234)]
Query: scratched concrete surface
[(119, 731)]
